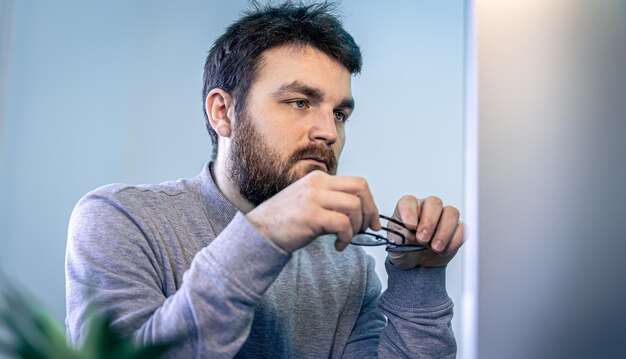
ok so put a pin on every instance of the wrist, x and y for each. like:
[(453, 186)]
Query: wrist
[(261, 225), (429, 283)]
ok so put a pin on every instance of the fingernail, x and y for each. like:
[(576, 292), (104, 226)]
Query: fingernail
[(423, 235), (438, 246), (340, 246), (377, 225)]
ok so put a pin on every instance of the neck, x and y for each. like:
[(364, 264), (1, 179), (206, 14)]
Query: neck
[(227, 187)]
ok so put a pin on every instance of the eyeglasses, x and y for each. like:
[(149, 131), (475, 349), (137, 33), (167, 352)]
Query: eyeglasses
[(375, 239)]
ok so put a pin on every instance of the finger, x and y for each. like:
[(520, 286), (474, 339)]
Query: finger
[(344, 203), (339, 224), (429, 217), (407, 211), (359, 187), (445, 229), (459, 237)]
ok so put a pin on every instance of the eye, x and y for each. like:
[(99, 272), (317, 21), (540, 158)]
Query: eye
[(299, 104), (340, 116)]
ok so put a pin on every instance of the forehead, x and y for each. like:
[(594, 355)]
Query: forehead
[(304, 64)]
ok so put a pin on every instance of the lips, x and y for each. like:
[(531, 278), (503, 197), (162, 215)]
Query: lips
[(317, 155), (319, 161)]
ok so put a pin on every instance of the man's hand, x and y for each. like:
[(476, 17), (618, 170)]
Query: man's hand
[(433, 225), (315, 205)]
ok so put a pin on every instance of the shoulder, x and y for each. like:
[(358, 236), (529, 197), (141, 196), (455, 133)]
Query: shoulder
[(137, 199), (122, 210), (136, 194)]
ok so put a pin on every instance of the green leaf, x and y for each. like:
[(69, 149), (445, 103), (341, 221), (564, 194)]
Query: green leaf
[(34, 334)]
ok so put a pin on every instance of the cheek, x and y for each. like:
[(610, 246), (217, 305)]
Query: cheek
[(338, 148), (341, 141), (277, 126)]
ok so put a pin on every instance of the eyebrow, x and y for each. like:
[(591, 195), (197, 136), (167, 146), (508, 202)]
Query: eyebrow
[(311, 92)]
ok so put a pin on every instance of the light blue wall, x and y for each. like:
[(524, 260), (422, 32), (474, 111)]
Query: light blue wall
[(100, 92)]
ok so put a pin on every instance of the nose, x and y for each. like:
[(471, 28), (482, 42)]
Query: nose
[(324, 129)]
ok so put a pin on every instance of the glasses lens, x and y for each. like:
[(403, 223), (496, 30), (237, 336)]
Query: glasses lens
[(405, 248), (364, 239), (394, 231)]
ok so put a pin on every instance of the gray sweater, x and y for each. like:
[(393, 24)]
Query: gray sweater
[(177, 259)]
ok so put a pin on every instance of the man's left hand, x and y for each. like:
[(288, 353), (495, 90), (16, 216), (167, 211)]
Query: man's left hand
[(432, 224)]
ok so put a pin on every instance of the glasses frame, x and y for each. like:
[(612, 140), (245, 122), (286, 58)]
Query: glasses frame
[(391, 246)]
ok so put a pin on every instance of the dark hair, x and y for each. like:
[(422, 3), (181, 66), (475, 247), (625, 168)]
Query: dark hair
[(233, 61)]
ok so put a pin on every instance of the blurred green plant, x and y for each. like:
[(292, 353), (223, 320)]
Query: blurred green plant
[(28, 331)]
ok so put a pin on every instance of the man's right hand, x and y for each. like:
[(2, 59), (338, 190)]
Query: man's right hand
[(315, 205)]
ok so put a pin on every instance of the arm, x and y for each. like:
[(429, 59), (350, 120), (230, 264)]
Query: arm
[(111, 262), (416, 303), (419, 312)]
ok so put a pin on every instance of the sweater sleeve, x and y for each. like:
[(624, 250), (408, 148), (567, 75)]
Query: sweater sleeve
[(364, 338), (109, 263), (419, 314)]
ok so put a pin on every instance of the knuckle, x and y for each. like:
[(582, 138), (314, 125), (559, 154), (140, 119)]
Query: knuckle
[(338, 222), (426, 227), (453, 211), (344, 227), (435, 200), (312, 178), (319, 174), (345, 223), (361, 184), (310, 194), (408, 198), (315, 177)]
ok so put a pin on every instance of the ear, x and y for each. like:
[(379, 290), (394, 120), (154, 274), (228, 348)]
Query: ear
[(219, 106)]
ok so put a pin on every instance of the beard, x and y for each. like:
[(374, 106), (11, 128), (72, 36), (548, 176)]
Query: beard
[(260, 172)]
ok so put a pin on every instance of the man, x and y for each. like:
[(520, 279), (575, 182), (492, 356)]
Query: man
[(251, 258)]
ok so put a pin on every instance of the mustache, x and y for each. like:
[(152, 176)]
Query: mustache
[(318, 152)]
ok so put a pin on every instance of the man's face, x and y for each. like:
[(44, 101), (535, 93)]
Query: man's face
[(293, 122)]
